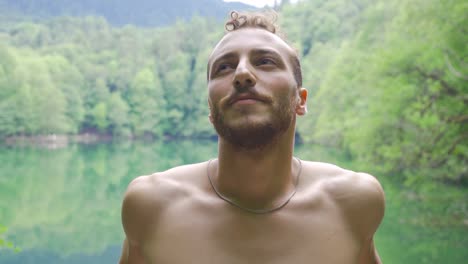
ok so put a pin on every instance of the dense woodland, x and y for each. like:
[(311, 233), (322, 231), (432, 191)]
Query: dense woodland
[(144, 13), (387, 80)]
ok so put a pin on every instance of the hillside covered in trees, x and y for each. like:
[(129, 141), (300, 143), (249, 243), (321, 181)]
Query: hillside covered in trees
[(145, 13), (387, 80)]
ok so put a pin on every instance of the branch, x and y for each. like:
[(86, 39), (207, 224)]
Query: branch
[(458, 119), (452, 69), (434, 76), (440, 162)]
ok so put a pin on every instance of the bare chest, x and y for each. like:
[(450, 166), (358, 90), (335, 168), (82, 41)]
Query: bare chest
[(228, 235)]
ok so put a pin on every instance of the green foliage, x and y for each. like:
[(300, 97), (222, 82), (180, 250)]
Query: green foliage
[(122, 12), (117, 115), (390, 94), (99, 116), (74, 75), (147, 102), (387, 80)]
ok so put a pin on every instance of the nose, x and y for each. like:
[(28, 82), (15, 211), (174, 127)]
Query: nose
[(243, 78)]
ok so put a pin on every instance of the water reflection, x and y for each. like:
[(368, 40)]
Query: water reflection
[(63, 205), (110, 255)]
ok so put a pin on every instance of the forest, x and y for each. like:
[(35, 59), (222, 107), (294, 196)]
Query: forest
[(143, 13), (387, 80)]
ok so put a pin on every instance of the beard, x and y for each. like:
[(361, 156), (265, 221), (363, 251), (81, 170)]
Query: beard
[(252, 134)]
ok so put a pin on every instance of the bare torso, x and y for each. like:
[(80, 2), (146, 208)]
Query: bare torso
[(180, 219)]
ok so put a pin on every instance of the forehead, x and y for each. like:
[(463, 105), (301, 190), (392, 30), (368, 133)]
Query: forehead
[(246, 39)]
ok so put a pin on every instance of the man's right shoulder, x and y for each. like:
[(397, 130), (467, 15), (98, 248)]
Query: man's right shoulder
[(145, 190), (148, 196), (153, 190)]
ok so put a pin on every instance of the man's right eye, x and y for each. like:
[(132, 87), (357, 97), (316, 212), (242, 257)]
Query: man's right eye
[(223, 67)]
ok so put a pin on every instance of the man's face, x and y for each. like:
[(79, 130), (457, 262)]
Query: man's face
[(253, 95)]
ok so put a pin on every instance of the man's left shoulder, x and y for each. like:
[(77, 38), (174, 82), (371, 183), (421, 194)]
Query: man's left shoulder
[(359, 195), (343, 184), (360, 186)]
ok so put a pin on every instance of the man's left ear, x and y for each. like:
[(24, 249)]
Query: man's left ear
[(209, 115), (301, 107)]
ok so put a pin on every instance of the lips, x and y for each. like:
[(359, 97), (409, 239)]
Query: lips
[(246, 98)]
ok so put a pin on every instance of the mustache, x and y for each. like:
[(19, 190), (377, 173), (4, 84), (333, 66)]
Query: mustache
[(251, 94)]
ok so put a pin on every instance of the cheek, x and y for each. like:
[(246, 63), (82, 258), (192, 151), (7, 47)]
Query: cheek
[(216, 94), (213, 91), (282, 87)]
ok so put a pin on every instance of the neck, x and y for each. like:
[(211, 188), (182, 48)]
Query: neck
[(256, 179)]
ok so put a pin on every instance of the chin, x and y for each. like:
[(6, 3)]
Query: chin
[(252, 130), (250, 135)]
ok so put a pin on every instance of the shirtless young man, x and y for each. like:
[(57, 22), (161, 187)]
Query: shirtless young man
[(254, 203)]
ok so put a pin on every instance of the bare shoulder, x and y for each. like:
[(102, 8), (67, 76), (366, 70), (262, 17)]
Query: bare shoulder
[(359, 195), (148, 196), (339, 182)]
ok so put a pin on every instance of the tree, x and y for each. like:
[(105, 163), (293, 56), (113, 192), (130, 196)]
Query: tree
[(146, 100), (117, 115)]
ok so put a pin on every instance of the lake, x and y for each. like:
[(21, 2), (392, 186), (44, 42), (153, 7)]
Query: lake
[(63, 205)]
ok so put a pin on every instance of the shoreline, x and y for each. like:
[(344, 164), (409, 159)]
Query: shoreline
[(56, 141)]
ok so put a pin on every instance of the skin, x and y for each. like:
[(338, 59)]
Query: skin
[(175, 216)]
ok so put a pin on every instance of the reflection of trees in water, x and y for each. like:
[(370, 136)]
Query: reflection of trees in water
[(68, 200), (64, 204), (424, 225), (6, 244), (109, 255)]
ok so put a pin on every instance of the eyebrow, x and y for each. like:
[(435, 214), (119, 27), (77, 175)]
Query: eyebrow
[(259, 51), (281, 62), (263, 51), (233, 54), (225, 56)]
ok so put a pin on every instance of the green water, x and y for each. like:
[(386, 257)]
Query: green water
[(63, 205)]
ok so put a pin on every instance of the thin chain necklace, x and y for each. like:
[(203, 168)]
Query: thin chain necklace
[(255, 211)]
